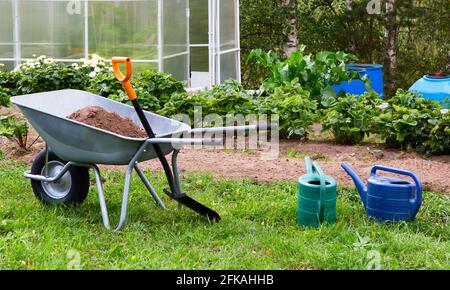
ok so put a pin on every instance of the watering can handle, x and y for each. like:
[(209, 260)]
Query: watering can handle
[(316, 168), (416, 179), (309, 166), (124, 79)]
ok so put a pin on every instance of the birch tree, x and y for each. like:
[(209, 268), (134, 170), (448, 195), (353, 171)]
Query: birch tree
[(390, 52), (291, 27)]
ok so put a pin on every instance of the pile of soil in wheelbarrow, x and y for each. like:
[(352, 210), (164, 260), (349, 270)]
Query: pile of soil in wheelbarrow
[(100, 118)]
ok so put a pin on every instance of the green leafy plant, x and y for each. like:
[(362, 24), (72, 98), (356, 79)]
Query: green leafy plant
[(13, 129), (44, 74), (350, 118), (408, 120), (5, 95), (295, 108), (153, 88), (315, 73), (106, 84), (159, 84), (439, 138), (182, 103), (229, 98), (8, 80)]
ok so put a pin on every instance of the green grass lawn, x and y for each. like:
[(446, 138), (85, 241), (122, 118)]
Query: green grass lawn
[(258, 230)]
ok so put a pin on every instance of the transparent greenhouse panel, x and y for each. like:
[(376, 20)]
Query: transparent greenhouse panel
[(200, 59), (139, 67), (177, 66), (47, 28), (6, 65), (175, 27), (227, 24), (228, 66), (6, 30), (198, 21), (124, 27)]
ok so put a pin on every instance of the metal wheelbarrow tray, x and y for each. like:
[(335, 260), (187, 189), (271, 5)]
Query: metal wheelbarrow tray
[(73, 147)]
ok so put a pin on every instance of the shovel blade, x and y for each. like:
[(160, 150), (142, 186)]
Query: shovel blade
[(195, 206)]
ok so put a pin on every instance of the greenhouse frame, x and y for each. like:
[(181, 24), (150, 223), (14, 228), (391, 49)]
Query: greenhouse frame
[(195, 40)]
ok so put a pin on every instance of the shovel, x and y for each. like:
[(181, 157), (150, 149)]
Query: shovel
[(174, 193)]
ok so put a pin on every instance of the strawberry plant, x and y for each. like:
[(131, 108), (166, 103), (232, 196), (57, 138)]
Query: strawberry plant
[(408, 120), (295, 108), (5, 95), (350, 118)]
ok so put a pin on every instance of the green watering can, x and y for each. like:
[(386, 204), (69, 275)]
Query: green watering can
[(316, 197)]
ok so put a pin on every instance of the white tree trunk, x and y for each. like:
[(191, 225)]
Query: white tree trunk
[(390, 41), (291, 27)]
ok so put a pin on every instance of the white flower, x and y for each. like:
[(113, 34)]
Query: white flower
[(444, 111), (92, 74), (97, 69), (383, 106)]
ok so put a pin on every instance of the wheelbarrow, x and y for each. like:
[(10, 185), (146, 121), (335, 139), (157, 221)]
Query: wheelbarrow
[(60, 173)]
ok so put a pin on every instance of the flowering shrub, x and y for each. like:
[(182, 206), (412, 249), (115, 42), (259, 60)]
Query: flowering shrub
[(44, 74)]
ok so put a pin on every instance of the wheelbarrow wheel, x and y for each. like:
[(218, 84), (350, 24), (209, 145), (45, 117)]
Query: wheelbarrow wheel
[(71, 189)]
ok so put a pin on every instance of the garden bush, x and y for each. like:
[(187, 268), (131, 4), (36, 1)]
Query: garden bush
[(8, 80), (5, 95), (106, 84), (350, 118), (43, 74), (295, 108), (182, 103), (315, 73), (409, 120), (153, 88), (439, 138), (229, 98)]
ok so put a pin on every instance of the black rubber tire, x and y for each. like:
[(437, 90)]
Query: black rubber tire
[(79, 182)]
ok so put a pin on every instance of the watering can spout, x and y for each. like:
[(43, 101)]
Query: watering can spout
[(362, 189)]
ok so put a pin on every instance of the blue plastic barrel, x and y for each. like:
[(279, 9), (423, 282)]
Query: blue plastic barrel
[(356, 87), (435, 87)]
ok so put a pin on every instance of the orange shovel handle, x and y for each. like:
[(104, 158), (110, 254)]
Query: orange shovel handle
[(124, 79)]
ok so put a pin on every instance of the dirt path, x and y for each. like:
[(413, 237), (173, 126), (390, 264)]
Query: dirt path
[(434, 172)]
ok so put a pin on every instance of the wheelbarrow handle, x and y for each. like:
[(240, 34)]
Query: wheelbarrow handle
[(258, 127), (124, 79)]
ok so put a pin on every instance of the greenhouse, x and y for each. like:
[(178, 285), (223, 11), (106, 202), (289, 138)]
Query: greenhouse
[(195, 40)]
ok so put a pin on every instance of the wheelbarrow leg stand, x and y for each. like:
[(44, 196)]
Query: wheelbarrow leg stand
[(176, 174), (102, 201), (126, 190), (149, 186)]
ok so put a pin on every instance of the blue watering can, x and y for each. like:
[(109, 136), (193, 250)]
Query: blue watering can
[(389, 198)]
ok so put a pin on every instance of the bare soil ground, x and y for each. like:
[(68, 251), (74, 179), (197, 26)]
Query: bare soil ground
[(434, 172), (236, 164)]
